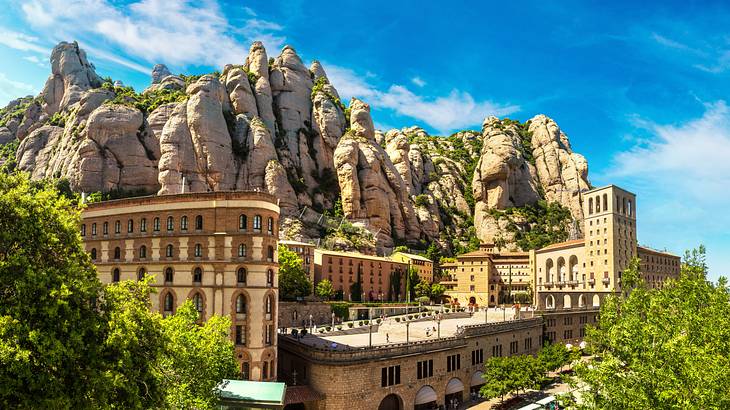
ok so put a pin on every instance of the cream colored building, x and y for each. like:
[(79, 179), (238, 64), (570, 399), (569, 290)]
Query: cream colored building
[(217, 249), (422, 265)]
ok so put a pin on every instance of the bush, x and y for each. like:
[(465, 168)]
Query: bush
[(397, 319), (367, 322), (350, 325), (328, 328), (359, 323), (377, 321), (339, 327), (421, 200)]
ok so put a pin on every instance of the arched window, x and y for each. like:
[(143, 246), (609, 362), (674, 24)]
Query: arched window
[(257, 223), (83, 229), (623, 207), (550, 302), (240, 305), (117, 227), (116, 275), (598, 203), (105, 228), (156, 224), (590, 206), (243, 222), (142, 252), (242, 250), (270, 278), (198, 250), (269, 304), (169, 303), (270, 254), (93, 254), (170, 223), (141, 273), (169, 251), (143, 225), (199, 222), (117, 253), (197, 275), (184, 223), (629, 208), (93, 228), (169, 274), (605, 202), (198, 302), (130, 226), (241, 276), (270, 226)]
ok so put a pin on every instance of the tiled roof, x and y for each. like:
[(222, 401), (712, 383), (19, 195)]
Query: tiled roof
[(563, 244), (301, 394)]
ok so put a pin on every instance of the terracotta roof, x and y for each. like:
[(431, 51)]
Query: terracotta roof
[(301, 394), (356, 255), (412, 256), (563, 244), (650, 250), (290, 242)]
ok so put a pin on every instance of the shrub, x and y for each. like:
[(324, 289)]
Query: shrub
[(359, 323), (421, 200), (339, 327), (397, 319), (328, 328), (321, 330), (377, 321), (350, 325), (410, 317)]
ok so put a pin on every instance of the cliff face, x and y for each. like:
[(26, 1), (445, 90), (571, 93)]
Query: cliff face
[(276, 125)]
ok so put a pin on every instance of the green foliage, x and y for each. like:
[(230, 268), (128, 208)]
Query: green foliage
[(505, 375), (99, 196), (423, 289), (148, 101), (662, 348), (355, 236), (437, 290), (319, 87), (325, 290), (400, 248), (58, 119), (536, 226), (412, 282), (421, 200), (7, 156), (341, 310), (17, 112), (293, 280)]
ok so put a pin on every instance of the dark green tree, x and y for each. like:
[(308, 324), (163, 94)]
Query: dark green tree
[(325, 290), (293, 280)]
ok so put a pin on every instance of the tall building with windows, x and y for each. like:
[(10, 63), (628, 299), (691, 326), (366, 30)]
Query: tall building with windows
[(217, 249), (305, 251)]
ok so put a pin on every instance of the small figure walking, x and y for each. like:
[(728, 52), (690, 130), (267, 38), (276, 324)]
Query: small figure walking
[(387, 338)]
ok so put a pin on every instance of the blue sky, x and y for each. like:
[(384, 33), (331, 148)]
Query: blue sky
[(639, 88)]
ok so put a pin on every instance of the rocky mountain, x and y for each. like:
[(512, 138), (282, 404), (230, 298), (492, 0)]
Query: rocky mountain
[(275, 124)]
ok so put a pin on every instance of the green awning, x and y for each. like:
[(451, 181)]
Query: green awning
[(245, 393)]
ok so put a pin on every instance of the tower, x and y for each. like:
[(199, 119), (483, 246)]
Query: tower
[(610, 235)]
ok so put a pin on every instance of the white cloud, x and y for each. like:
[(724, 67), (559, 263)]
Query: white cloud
[(174, 32), (10, 89), (455, 111), (418, 81), (36, 60), (20, 41)]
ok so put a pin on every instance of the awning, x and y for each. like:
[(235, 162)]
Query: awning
[(426, 395), (476, 378), (455, 385), (245, 393)]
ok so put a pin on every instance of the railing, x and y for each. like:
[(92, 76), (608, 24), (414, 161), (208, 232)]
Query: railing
[(591, 282), (606, 281)]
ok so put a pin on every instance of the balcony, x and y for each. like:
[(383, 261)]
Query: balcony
[(549, 284), (591, 281), (606, 281)]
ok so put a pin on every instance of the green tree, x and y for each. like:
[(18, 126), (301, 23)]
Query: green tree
[(505, 375), (293, 280), (400, 248), (325, 290), (423, 289), (662, 348), (413, 281), (437, 290), (553, 356)]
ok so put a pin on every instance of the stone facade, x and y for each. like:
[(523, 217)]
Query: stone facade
[(656, 266), (217, 249), (296, 314), (423, 266), (455, 365)]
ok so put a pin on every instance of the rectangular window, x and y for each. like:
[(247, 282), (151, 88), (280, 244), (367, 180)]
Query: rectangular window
[(424, 369), (390, 376), (528, 343), (240, 335), (105, 228), (513, 347), (93, 228), (477, 356), (117, 227), (83, 230), (130, 226), (497, 351), (143, 225), (268, 335), (453, 362)]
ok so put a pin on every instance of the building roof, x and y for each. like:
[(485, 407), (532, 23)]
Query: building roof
[(413, 256), (356, 255), (650, 250), (251, 392), (566, 244), (301, 394), (296, 243)]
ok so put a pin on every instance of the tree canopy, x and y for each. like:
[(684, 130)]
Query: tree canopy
[(325, 290), (663, 348), (293, 280)]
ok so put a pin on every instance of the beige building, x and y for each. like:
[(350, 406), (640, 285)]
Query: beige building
[(382, 279), (305, 251), (657, 266), (422, 265), (217, 249)]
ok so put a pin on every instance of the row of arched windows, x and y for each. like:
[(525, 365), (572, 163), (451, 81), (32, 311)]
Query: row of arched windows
[(240, 304), (241, 275), (170, 252), (623, 205), (143, 225)]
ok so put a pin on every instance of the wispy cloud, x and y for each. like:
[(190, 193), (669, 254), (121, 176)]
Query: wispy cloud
[(20, 41), (174, 32), (708, 56), (10, 89), (418, 81), (454, 111), (36, 60)]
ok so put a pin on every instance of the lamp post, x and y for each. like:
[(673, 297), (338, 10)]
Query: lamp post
[(311, 323), (370, 325), (438, 321), (408, 327), (333, 320)]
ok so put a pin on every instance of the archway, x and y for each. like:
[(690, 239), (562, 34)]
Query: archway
[(454, 392), (425, 399), (581, 301), (567, 302), (549, 302), (561, 270), (391, 402), (549, 271), (573, 262), (596, 301), (476, 383), (472, 300)]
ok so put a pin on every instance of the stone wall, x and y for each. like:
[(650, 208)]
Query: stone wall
[(296, 314)]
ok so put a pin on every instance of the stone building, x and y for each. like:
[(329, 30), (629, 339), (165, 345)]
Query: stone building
[(217, 249), (422, 265), (381, 278), (305, 251)]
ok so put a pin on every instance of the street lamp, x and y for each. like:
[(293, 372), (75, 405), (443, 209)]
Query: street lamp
[(333, 320), (438, 321), (311, 323), (408, 327), (370, 325)]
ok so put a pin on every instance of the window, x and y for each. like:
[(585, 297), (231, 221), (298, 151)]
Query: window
[(528, 343), (477, 356), (117, 253), (240, 305), (198, 303), (513, 347), (424, 369), (567, 334), (270, 278), (170, 223), (198, 275), (141, 273), (269, 334), (270, 254), (265, 371), (117, 227), (142, 252), (245, 370), (143, 225), (453, 362), (199, 222), (105, 228), (115, 275), (257, 223), (93, 254), (270, 226), (243, 222), (242, 250), (156, 224), (169, 251), (130, 226), (168, 304), (390, 376), (168, 275), (83, 229), (241, 276), (93, 228), (269, 304), (198, 250), (497, 351), (184, 223)]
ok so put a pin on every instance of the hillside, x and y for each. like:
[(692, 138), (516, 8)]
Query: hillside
[(276, 125)]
